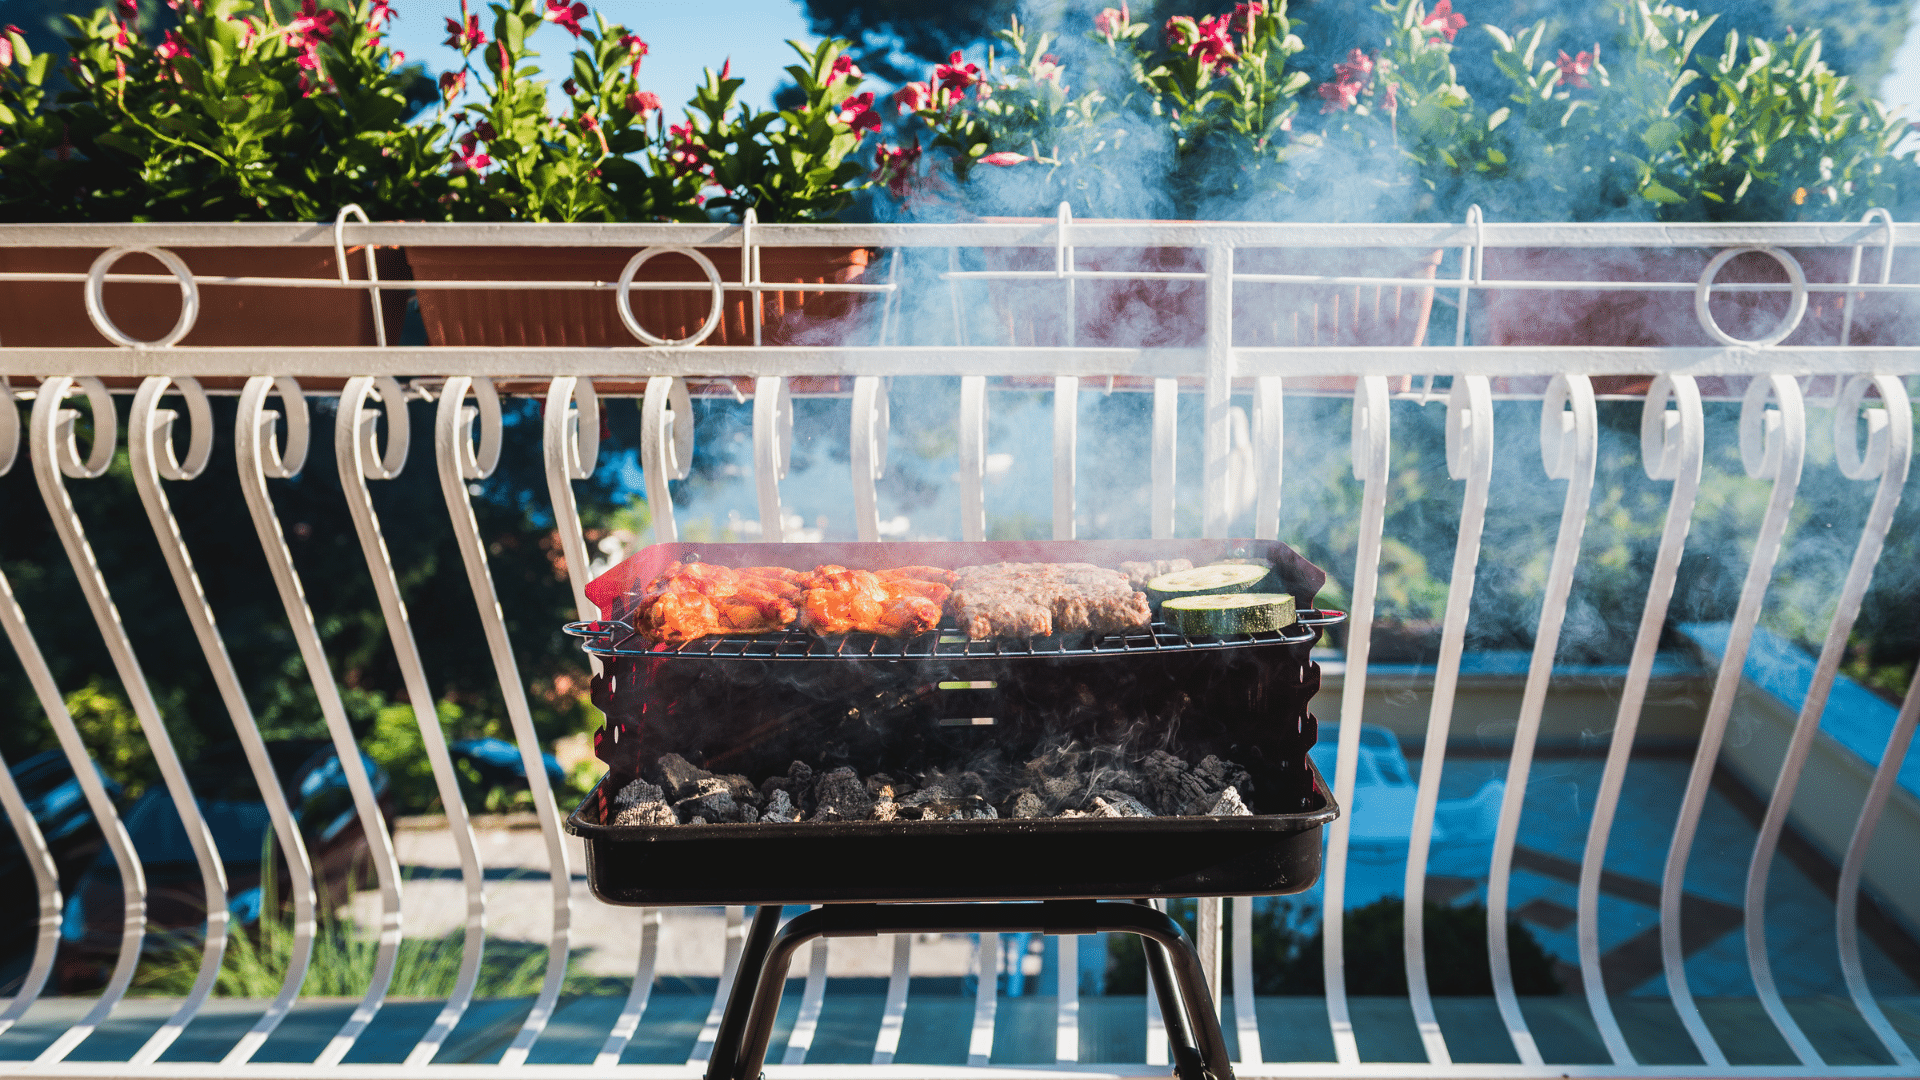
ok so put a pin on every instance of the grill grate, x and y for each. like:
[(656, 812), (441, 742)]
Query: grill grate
[(946, 642)]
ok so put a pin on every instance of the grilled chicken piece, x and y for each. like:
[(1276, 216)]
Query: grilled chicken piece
[(689, 601), (842, 601)]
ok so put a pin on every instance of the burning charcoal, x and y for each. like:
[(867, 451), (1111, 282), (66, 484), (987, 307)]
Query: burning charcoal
[(840, 796), (1062, 789), (884, 787), (716, 805), (983, 811), (779, 806), (678, 776), (886, 810), (641, 803), (1222, 774), (1229, 805), (1056, 761), (698, 821), (1174, 788), (1118, 804), (1072, 814), (1027, 805), (798, 779), (971, 783)]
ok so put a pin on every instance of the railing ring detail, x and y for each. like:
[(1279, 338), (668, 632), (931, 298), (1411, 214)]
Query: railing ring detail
[(625, 304), (97, 308), (1796, 310)]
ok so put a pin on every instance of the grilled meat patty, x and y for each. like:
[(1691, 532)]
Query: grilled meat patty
[(1024, 600)]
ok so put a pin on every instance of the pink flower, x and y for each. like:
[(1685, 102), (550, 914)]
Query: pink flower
[(637, 49), (1209, 38), (896, 167), (1443, 19), (399, 57), (590, 122), (6, 54), (466, 38), (1110, 24), (857, 113), (1389, 100), (128, 9), (1338, 96), (171, 46), (313, 25), (687, 156), (1047, 70), (955, 76), (1244, 14), (1357, 69), (913, 97), (843, 68), (1573, 69), (451, 83), (1005, 158), (380, 15), (567, 15), (641, 103), (467, 158)]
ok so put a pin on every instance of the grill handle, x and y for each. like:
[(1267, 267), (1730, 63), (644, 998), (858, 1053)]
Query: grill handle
[(598, 629)]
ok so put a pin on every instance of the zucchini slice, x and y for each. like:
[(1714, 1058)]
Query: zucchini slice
[(1206, 581), (1222, 614)]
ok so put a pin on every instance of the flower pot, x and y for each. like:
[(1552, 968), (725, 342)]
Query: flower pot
[(583, 318), (1651, 319), (1172, 314), (53, 314)]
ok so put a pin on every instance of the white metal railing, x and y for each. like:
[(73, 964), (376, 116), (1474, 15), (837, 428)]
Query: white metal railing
[(372, 442)]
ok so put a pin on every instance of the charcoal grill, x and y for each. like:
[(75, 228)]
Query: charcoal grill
[(750, 704)]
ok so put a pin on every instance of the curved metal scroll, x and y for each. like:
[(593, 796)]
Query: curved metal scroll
[(151, 452), (55, 457), (1469, 458), (666, 451), (570, 446), (1773, 445), (460, 461)]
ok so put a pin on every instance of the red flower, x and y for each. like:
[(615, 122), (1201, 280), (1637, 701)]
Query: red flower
[(687, 156), (313, 25), (954, 76), (1573, 69), (484, 130), (451, 83), (467, 158), (381, 14), (913, 97), (1244, 14), (572, 88), (637, 49), (171, 46), (590, 122), (1005, 158), (843, 68), (567, 15), (642, 103), (1338, 96), (1447, 22), (897, 166), (467, 38), (1210, 38), (128, 8), (857, 113), (1357, 69), (1111, 24)]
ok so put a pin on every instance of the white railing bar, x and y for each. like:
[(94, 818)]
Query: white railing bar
[(772, 451), (812, 996), (1166, 455), (893, 1014), (152, 457), (1157, 1049), (1246, 1019), (986, 999), (982, 360), (1306, 1070), (455, 285), (1036, 234), (258, 455), (1372, 433), (637, 995), (1847, 891), (1772, 446), (1885, 219), (867, 451), (458, 463), (710, 1030), (1209, 939), (1469, 458), (359, 458), (1066, 1024), (1569, 449), (666, 453), (1066, 436), (973, 457), (1269, 454), (1889, 453), (54, 452), (1216, 511)]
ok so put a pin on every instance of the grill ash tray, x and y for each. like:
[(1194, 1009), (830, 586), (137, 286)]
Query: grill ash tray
[(751, 705), (1004, 859)]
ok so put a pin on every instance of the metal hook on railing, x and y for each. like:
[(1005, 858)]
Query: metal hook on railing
[(1765, 433), (476, 463), (624, 303), (1567, 425), (1703, 291), (1853, 274), (151, 426), (1669, 438), (96, 304), (66, 437), (1471, 267), (358, 421), (750, 272), (373, 271), (1846, 425), (1062, 252), (9, 428)]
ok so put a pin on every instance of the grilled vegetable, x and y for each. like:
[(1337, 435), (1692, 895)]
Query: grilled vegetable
[(1206, 581), (1221, 614)]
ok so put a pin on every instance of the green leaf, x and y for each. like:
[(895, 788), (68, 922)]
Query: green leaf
[(1660, 193), (1498, 117), (1661, 135)]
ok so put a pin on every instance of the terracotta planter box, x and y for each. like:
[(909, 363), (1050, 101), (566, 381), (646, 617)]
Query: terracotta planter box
[(1172, 314), (1650, 319), (569, 318), (53, 314)]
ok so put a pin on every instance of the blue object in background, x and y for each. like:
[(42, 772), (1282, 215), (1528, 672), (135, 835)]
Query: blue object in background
[(499, 765)]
